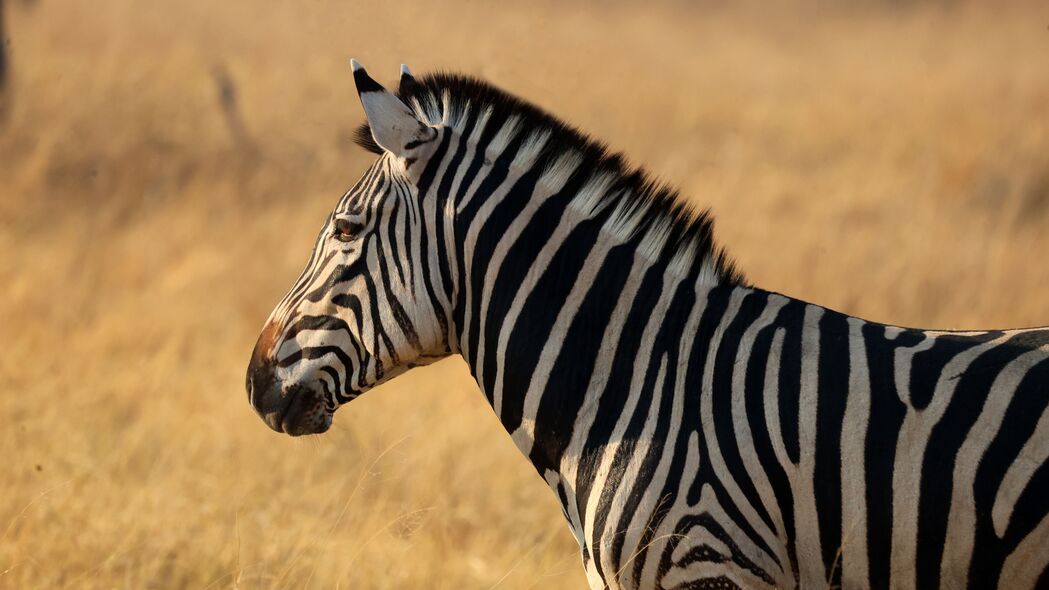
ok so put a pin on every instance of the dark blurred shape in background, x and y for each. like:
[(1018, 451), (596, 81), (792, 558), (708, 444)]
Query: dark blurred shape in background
[(3, 64)]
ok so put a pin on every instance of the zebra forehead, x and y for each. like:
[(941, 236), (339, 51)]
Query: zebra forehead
[(375, 179)]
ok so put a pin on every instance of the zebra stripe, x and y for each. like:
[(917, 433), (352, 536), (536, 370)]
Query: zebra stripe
[(698, 432)]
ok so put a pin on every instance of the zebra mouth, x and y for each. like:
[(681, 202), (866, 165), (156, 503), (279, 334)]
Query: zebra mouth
[(305, 413)]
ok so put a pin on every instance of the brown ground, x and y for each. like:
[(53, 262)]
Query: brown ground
[(886, 161)]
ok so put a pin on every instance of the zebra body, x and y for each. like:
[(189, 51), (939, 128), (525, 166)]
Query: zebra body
[(698, 432)]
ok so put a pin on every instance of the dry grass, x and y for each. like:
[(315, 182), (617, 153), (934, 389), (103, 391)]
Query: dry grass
[(890, 163)]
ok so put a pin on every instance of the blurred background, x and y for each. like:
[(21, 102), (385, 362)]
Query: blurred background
[(165, 166)]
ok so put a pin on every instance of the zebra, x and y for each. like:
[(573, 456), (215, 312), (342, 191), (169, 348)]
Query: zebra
[(698, 431)]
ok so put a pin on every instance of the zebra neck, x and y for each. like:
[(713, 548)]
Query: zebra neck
[(551, 310), (551, 253)]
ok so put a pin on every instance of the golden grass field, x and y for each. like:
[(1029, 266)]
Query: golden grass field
[(885, 160)]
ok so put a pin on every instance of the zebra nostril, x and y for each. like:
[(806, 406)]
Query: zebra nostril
[(260, 378), (249, 384), (251, 387), (261, 383), (265, 394)]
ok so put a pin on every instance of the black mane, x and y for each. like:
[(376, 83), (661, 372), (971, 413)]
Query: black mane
[(655, 203)]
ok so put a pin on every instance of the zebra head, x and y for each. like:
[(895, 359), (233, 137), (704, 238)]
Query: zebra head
[(364, 309)]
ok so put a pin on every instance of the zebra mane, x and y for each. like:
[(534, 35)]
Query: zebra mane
[(664, 223)]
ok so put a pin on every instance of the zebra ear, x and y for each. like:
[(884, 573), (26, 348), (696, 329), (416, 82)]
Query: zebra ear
[(394, 126), (407, 80)]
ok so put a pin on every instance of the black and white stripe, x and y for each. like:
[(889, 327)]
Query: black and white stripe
[(699, 432)]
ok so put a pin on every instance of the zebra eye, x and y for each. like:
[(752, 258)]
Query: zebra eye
[(346, 231)]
